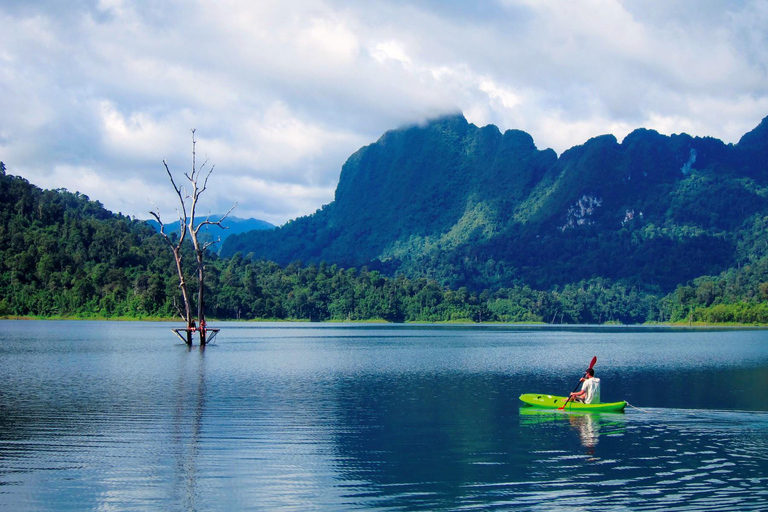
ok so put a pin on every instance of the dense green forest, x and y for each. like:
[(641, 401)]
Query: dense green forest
[(473, 207), (64, 255)]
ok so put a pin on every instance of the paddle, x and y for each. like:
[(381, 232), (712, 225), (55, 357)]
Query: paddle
[(594, 360)]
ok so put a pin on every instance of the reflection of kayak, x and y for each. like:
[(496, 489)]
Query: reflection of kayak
[(534, 414), (591, 425), (555, 402), (614, 420)]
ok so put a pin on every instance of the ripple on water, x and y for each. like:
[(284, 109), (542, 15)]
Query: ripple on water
[(664, 460), (398, 419)]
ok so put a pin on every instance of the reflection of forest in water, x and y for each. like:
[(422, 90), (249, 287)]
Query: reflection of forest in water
[(424, 428), (295, 417), (440, 434)]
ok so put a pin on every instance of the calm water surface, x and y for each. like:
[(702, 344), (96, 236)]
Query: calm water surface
[(121, 416)]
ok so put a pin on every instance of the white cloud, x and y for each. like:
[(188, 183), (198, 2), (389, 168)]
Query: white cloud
[(506, 97), (264, 199), (329, 41), (94, 96), (137, 133), (126, 194), (390, 50)]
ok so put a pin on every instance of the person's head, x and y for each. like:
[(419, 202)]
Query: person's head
[(590, 372)]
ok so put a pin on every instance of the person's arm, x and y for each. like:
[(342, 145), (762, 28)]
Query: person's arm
[(579, 394)]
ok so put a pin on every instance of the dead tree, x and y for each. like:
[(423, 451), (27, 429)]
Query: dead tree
[(187, 224), (194, 231), (176, 248)]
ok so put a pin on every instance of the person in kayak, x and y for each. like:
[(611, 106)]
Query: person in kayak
[(590, 390)]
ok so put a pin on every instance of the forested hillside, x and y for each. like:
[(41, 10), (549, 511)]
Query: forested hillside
[(62, 254), (663, 229), (472, 207)]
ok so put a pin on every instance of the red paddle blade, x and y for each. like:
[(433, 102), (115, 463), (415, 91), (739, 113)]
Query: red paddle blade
[(594, 360)]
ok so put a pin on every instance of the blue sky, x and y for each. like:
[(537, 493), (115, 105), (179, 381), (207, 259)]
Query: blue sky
[(95, 94)]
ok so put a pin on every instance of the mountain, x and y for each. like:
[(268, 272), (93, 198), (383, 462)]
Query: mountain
[(62, 254), (234, 226), (475, 207)]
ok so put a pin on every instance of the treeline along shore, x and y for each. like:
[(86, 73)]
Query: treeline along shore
[(63, 255)]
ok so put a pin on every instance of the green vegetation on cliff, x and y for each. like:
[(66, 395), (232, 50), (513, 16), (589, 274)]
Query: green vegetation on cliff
[(63, 255), (444, 222), (472, 207)]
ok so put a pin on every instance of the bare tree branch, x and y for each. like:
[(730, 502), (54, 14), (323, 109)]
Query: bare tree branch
[(207, 222), (206, 245), (183, 213), (188, 201), (178, 309), (205, 182), (156, 215), (200, 169)]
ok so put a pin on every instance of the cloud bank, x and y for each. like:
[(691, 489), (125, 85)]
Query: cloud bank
[(95, 94)]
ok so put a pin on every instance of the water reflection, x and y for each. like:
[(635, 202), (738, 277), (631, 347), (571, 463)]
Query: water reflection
[(588, 425), (355, 418), (187, 424), (447, 442)]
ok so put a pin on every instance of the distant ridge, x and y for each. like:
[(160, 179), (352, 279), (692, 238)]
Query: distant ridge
[(234, 225), (475, 207)]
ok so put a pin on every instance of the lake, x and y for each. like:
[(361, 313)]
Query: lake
[(281, 416)]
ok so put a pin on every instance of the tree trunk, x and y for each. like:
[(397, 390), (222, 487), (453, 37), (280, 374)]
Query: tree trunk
[(187, 224), (200, 291), (185, 296)]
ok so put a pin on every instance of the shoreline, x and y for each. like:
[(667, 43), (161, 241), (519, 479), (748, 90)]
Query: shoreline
[(377, 321)]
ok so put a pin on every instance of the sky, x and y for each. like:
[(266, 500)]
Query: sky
[(95, 94)]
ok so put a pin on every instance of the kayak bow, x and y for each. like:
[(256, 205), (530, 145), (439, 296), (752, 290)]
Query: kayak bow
[(542, 401)]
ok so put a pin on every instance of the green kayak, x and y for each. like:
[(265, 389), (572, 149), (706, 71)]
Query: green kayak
[(555, 402)]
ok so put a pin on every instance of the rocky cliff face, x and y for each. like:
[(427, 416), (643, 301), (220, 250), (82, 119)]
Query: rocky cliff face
[(474, 206)]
